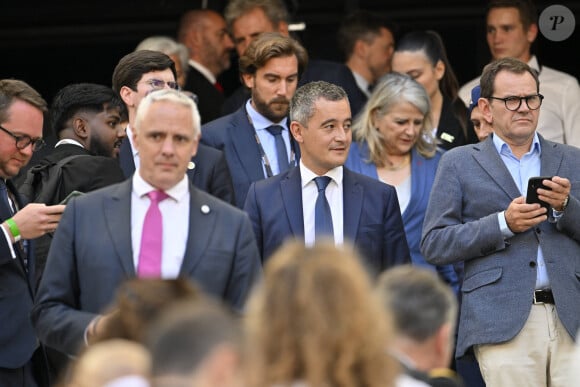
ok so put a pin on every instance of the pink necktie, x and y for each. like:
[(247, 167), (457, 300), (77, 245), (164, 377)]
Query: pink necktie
[(149, 265)]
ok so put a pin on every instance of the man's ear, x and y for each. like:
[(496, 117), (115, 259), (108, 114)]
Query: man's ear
[(532, 33), (360, 48), (484, 106), (283, 28), (249, 80), (80, 127), (126, 94), (296, 130)]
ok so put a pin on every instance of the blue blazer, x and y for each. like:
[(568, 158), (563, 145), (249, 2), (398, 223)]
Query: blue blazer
[(471, 187), (235, 137), (372, 219), (422, 175), (91, 254), (17, 338)]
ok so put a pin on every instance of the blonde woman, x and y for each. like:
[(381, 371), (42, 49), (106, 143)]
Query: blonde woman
[(393, 142)]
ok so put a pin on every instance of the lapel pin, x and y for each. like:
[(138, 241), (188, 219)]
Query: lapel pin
[(447, 137), (191, 165), (205, 209)]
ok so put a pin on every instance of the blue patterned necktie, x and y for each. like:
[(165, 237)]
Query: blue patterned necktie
[(322, 215), (281, 153)]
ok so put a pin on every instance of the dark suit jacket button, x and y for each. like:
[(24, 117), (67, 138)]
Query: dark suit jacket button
[(538, 230), (532, 264)]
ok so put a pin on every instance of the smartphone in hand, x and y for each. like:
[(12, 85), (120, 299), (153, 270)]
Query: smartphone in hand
[(70, 196), (533, 184)]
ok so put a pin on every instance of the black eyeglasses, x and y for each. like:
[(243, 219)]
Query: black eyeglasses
[(158, 84), (23, 141), (513, 103)]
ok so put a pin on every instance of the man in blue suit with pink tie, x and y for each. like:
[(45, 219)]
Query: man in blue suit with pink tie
[(322, 199)]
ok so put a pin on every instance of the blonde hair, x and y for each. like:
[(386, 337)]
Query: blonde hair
[(315, 319), (393, 89)]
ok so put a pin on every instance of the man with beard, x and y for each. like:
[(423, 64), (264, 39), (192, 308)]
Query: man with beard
[(256, 139), (86, 119), (204, 33)]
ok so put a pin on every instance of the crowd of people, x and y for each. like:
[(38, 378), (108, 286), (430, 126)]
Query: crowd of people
[(366, 223)]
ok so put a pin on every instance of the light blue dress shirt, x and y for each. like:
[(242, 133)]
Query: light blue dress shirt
[(521, 170)]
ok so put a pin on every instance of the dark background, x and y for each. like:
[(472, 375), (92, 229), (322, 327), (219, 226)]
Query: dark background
[(53, 43)]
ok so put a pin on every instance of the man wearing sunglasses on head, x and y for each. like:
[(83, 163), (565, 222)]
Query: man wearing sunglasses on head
[(520, 311), (21, 118), (136, 75)]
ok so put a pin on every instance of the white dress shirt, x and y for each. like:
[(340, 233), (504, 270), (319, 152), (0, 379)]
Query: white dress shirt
[(175, 213), (362, 83), (333, 195)]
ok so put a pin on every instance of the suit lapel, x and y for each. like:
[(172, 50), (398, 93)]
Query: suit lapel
[(291, 191), (352, 204), (6, 213), (243, 139), (486, 155), (551, 158), (117, 209), (201, 226)]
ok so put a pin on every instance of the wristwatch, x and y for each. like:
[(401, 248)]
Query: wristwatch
[(565, 203)]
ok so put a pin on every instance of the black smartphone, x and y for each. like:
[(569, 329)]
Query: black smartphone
[(70, 196), (533, 184)]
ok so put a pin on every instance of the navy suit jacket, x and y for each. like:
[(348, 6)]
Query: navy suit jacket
[(372, 219), (209, 170), (17, 338), (91, 255), (235, 136), (471, 187)]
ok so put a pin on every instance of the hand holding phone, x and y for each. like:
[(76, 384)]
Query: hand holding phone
[(533, 184), (70, 196)]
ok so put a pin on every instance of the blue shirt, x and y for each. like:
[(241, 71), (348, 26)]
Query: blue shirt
[(521, 170)]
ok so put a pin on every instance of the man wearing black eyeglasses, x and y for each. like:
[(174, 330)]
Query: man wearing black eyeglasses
[(520, 311), (136, 75), (21, 118)]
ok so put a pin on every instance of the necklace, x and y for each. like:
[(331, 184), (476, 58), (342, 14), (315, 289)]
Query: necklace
[(389, 166)]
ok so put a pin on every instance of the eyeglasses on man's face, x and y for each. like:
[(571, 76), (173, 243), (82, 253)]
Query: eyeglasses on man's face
[(24, 140), (158, 84), (513, 103)]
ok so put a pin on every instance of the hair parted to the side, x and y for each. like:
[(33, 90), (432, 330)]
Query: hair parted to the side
[(268, 46), (167, 46), (134, 65), (168, 95), (315, 319), (302, 105), (13, 89), (393, 89), (511, 65)]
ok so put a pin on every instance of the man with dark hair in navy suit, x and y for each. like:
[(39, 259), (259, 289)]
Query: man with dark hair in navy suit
[(322, 199)]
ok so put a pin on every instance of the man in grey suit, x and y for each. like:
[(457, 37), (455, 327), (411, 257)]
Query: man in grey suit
[(520, 310), (155, 224)]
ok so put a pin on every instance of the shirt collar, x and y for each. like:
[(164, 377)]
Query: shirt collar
[(307, 175), (501, 146), (204, 71), (533, 63), (362, 83), (69, 141), (178, 192), (259, 122), (129, 134)]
